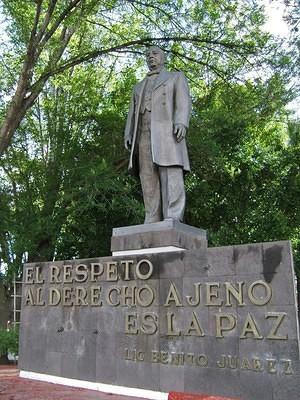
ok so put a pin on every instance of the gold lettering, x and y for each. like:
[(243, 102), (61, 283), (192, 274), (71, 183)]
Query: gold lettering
[(177, 358), (257, 365), (38, 275), (67, 274), (112, 271), (170, 325), (95, 273), (279, 317), (39, 301), (29, 299), (29, 275), (131, 324), (127, 264), (109, 298), (173, 296), (144, 302), (155, 356), (149, 323), (127, 354), (67, 296), (196, 301), (287, 367), (232, 362), (190, 358), (95, 296), (54, 274), (164, 356), (54, 297), (245, 364), (141, 275), (237, 293), (250, 327), (212, 294), (140, 356), (221, 363), (260, 300), (194, 328), (81, 273), (80, 296), (221, 326), (202, 360), (271, 365), (128, 295)]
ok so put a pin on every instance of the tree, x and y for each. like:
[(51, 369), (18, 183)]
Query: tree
[(293, 15), (67, 199), (245, 183), (63, 182), (53, 36)]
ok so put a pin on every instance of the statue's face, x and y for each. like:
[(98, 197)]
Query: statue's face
[(154, 58)]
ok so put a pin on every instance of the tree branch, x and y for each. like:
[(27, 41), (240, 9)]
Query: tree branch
[(47, 19), (145, 41), (58, 21), (36, 19), (153, 6)]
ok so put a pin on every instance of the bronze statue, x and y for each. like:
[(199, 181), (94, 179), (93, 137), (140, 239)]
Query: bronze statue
[(155, 133)]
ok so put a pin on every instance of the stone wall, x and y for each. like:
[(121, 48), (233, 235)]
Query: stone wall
[(218, 320)]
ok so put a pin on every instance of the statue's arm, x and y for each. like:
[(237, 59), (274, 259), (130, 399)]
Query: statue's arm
[(182, 107), (128, 134)]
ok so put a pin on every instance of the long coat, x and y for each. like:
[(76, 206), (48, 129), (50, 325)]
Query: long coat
[(171, 104)]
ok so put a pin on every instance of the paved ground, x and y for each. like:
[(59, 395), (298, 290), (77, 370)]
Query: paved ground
[(15, 388), (12, 387)]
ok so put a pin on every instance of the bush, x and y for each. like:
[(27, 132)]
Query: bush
[(9, 341)]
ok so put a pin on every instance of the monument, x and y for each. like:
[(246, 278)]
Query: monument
[(165, 313), (155, 135), (221, 321)]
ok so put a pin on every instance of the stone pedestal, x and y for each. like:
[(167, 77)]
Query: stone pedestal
[(193, 319), (164, 236)]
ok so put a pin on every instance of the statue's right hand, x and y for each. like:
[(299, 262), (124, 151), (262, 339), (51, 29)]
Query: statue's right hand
[(128, 143)]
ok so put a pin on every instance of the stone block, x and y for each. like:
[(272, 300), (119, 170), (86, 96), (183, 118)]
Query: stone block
[(171, 378), (256, 385), (248, 259), (220, 261), (107, 355), (159, 234), (225, 382), (53, 362)]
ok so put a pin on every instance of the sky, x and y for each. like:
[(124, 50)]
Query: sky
[(275, 23), (274, 9)]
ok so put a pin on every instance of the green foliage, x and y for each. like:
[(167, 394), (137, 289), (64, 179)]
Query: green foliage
[(65, 176), (245, 182), (63, 183), (9, 341)]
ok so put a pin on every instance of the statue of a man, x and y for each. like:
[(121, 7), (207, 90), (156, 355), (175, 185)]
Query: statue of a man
[(155, 133)]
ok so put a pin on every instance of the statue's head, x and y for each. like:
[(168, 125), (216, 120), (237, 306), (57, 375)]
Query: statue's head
[(155, 57)]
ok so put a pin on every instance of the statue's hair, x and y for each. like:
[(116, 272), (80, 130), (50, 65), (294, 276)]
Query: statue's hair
[(158, 48)]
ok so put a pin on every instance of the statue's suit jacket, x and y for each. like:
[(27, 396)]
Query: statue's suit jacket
[(171, 104)]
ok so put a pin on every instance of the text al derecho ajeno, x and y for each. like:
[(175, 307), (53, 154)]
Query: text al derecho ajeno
[(124, 284)]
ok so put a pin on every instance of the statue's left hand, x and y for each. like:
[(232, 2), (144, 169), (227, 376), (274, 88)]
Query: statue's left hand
[(179, 132)]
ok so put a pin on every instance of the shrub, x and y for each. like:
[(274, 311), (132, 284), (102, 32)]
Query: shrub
[(9, 341)]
